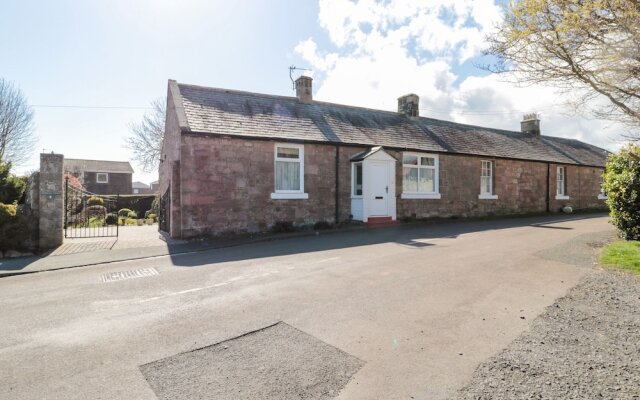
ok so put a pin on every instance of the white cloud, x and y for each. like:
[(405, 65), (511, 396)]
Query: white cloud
[(382, 50)]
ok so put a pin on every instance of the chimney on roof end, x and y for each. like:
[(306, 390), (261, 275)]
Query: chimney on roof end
[(409, 105), (304, 89), (530, 124)]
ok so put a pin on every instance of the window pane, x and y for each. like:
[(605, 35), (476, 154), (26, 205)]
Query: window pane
[(428, 161), (287, 175), (288, 152), (410, 160), (410, 180), (426, 184), (485, 185), (357, 181)]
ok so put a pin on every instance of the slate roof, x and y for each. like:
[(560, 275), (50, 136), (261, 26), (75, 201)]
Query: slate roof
[(243, 114), (139, 185), (74, 164)]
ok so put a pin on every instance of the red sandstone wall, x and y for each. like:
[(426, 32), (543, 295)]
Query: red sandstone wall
[(227, 182)]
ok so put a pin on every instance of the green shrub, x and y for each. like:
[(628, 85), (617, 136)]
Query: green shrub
[(155, 205), (132, 214), (138, 203), (622, 187), (111, 219), (152, 216), (95, 201), (130, 221), (14, 232), (97, 212), (11, 186), (123, 212)]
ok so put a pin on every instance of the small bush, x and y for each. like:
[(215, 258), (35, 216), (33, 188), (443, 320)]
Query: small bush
[(283, 226), (622, 187), (123, 212), (130, 221), (321, 225), (111, 219), (132, 214), (14, 232), (152, 216), (95, 201), (97, 211), (11, 186)]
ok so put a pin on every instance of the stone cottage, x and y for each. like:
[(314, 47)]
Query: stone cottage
[(241, 162)]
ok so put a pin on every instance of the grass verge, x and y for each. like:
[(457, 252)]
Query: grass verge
[(623, 255)]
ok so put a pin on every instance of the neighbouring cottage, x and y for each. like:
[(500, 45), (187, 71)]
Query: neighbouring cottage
[(235, 161), (100, 176), (140, 188)]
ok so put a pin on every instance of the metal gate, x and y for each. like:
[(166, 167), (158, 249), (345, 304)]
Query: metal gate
[(88, 214)]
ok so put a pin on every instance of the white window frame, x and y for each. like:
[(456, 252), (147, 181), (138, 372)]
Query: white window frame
[(289, 194), (484, 195), (353, 180), (436, 176), (561, 184), (106, 175), (601, 194)]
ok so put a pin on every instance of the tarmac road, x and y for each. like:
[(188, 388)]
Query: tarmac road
[(420, 305)]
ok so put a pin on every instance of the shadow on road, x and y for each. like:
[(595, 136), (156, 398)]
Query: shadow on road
[(416, 235)]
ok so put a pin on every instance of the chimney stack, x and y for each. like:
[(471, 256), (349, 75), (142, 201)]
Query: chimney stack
[(303, 89), (409, 105), (530, 124)]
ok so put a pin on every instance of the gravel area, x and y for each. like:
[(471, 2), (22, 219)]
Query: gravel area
[(584, 346), (274, 363)]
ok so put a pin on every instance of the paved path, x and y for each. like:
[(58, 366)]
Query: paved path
[(421, 306)]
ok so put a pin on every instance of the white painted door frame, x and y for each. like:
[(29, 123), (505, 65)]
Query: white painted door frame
[(370, 179)]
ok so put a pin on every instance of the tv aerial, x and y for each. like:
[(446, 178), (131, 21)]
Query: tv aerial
[(291, 69)]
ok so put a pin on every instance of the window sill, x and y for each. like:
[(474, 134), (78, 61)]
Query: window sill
[(562, 197), (357, 197), (435, 196), (486, 196), (602, 197), (286, 196)]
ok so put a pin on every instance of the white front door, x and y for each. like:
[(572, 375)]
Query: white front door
[(379, 201)]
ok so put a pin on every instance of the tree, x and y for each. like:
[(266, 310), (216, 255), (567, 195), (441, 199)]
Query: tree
[(17, 138), (622, 186), (589, 48), (146, 136), (11, 187)]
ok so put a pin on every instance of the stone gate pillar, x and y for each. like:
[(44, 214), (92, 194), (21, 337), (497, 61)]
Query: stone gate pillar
[(51, 202)]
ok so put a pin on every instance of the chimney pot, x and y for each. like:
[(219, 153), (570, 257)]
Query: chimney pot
[(409, 105), (530, 124), (304, 89)]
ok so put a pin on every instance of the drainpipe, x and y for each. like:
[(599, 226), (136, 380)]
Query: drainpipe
[(337, 184), (548, 186)]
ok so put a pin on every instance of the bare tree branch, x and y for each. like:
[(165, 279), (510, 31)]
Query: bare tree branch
[(17, 137), (147, 135), (587, 48)]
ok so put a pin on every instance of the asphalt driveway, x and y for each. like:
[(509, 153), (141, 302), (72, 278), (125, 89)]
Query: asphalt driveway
[(418, 307)]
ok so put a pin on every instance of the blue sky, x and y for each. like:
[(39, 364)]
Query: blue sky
[(117, 53)]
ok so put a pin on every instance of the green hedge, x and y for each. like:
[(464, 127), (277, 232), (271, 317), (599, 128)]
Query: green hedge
[(140, 204), (622, 187), (14, 231)]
